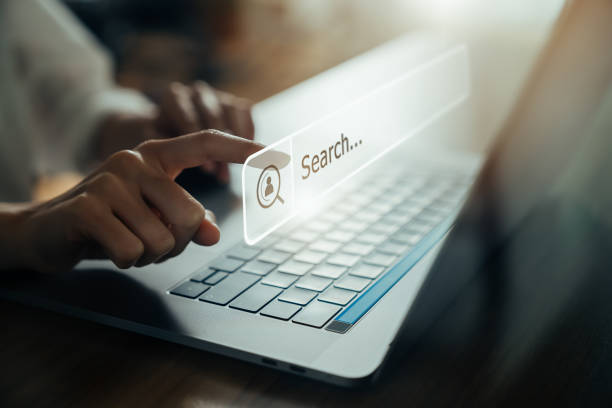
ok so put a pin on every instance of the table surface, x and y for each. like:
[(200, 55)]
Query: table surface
[(533, 330)]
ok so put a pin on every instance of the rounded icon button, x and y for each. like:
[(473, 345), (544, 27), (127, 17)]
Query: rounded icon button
[(268, 187)]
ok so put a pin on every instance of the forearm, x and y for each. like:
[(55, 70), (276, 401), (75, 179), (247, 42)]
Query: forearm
[(11, 237)]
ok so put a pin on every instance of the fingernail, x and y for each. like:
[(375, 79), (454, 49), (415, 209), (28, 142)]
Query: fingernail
[(210, 217)]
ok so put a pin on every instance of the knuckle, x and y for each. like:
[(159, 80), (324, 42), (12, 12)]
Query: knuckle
[(175, 88), (206, 137), (163, 243), (243, 104), (107, 182), (129, 254), (206, 133), (192, 215), (178, 250), (148, 144), (126, 159), (147, 148), (121, 263), (82, 201), (204, 90), (84, 206), (200, 84)]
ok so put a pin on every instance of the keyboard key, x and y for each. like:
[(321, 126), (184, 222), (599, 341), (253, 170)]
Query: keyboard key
[(367, 271), (202, 274), (297, 295), (414, 202), (401, 214), (378, 207), (346, 207), (215, 278), (324, 245), (226, 264), (392, 247), (304, 235), (279, 279), (451, 199), (343, 259), (354, 225), (309, 256), (244, 252), (441, 207), (419, 226), (387, 179), (371, 238), (352, 283), (329, 271), (229, 288), (289, 245), (359, 199), (430, 216), (357, 248), (426, 218), (311, 282), (378, 258), (295, 267), (267, 242), (394, 198), (318, 226), (258, 268), (286, 229), (273, 256), (408, 209), (340, 236), (406, 238), (332, 217), (255, 298), (280, 310), (190, 289), (384, 228), (372, 190), (316, 314), (422, 197), (366, 217), (338, 296), (395, 219)]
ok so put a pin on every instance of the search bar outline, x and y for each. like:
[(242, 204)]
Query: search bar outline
[(453, 67)]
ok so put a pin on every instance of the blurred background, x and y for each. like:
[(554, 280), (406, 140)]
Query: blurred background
[(256, 48)]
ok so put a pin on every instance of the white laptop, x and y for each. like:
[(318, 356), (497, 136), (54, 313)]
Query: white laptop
[(325, 295)]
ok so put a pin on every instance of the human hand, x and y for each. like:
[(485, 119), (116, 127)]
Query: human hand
[(129, 210), (189, 108)]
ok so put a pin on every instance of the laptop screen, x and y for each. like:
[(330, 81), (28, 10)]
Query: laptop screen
[(554, 147), (553, 140)]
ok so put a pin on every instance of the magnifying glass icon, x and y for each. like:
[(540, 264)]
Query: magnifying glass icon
[(268, 187)]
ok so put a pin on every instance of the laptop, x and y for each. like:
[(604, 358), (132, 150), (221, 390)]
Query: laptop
[(325, 295)]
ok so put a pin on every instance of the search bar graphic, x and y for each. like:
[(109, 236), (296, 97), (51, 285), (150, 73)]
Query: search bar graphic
[(290, 175)]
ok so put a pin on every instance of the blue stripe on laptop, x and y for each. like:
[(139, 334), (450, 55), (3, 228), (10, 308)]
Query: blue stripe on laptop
[(363, 303)]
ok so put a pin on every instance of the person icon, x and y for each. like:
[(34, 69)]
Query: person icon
[(269, 187)]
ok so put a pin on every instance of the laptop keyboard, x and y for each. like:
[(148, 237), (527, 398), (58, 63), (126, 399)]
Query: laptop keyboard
[(310, 271)]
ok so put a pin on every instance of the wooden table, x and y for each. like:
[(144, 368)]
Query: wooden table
[(538, 333)]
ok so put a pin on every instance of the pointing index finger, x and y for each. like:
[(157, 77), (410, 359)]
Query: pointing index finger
[(193, 149)]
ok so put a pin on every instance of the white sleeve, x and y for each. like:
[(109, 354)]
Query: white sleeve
[(67, 79)]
